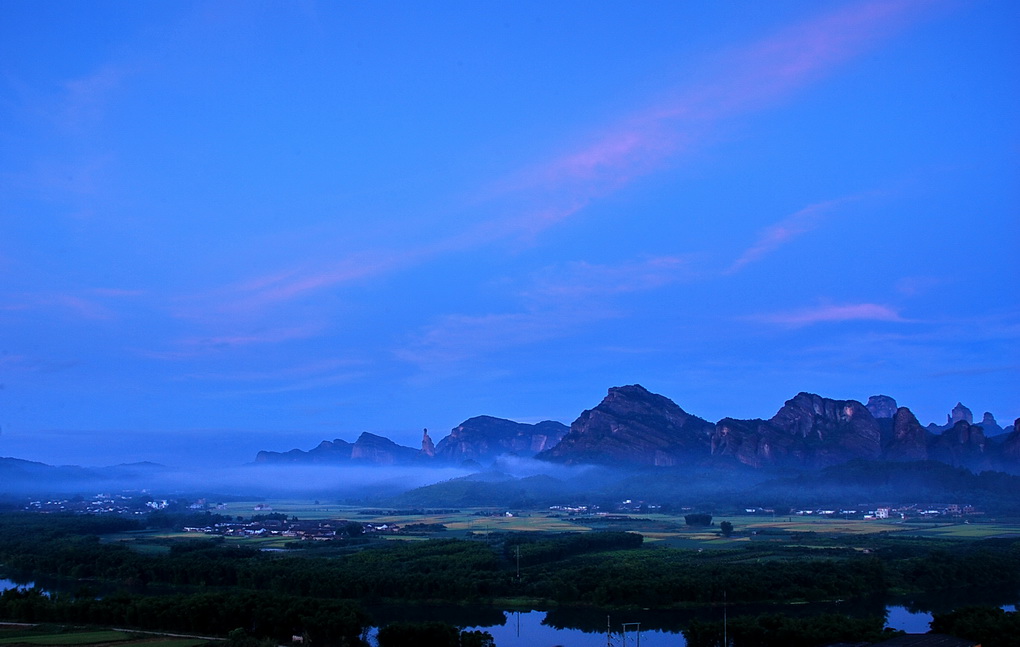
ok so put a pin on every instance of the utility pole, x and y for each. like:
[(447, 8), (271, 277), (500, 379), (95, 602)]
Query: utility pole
[(725, 640), (518, 547), (638, 630)]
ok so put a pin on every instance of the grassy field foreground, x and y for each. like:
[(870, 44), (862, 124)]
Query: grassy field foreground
[(50, 635)]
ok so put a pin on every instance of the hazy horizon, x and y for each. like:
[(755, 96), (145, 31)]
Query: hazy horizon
[(230, 227), (217, 447)]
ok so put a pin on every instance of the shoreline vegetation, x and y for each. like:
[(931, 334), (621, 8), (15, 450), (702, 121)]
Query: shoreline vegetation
[(122, 576)]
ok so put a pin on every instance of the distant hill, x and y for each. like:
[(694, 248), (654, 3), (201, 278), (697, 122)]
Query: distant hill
[(19, 476), (484, 438), (634, 427), (476, 441), (488, 489)]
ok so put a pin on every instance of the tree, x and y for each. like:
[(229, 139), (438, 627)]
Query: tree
[(431, 634), (992, 626), (727, 528), (353, 529), (698, 519)]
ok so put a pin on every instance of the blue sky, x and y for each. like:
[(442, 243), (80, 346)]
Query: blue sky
[(259, 225)]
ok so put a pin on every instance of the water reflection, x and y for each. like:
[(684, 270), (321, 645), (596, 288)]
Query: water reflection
[(586, 627), (594, 620), (6, 584)]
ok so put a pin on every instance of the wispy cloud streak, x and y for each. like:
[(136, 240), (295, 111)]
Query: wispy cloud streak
[(553, 305), (78, 306), (535, 199), (747, 80), (458, 337), (832, 314), (200, 347), (777, 235), (581, 278)]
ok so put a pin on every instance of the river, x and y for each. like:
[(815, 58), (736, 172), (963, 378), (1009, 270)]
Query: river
[(586, 627)]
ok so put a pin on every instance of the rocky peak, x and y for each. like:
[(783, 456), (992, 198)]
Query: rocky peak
[(909, 439), (959, 413), (634, 426), (990, 426), (371, 448), (483, 438), (1011, 445), (427, 447), (881, 406), (963, 445), (328, 451), (831, 430)]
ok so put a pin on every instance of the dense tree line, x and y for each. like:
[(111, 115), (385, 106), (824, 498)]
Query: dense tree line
[(774, 630), (989, 626), (663, 578), (565, 569), (537, 549), (334, 622), (431, 634)]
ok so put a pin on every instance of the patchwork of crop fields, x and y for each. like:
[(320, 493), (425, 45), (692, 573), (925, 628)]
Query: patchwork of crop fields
[(657, 528)]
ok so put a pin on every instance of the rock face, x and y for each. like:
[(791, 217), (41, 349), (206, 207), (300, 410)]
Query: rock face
[(427, 447), (909, 440), (959, 413), (990, 426), (371, 448), (808, 431), (1011, 446), (328, 451), (632, 426), (752, 442), (483, 438), (829, 431), (964, 445), (881, 406)]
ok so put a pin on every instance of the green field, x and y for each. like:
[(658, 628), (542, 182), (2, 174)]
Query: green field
[(666, 529), (46, 636), (291, 507), (78, 638)]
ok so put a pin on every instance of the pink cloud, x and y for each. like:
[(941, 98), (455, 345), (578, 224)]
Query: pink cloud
[(459, 337), (916, 285), (116, 292), (83, 307), (750, 78), (70, 303), (833, 313), (198, 347), (87, 96), (316, 369), (256, 294), (582, 279), (262, 337), (777, 235), (557, 190)]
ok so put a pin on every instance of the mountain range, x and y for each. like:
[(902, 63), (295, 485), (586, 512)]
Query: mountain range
[(635, 427)]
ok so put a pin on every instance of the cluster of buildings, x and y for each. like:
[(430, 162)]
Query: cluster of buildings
[(899, 511), (97, 504), (313, 530)]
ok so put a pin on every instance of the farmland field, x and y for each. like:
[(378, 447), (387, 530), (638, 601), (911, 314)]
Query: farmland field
[(27, 635), (657, 528)]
